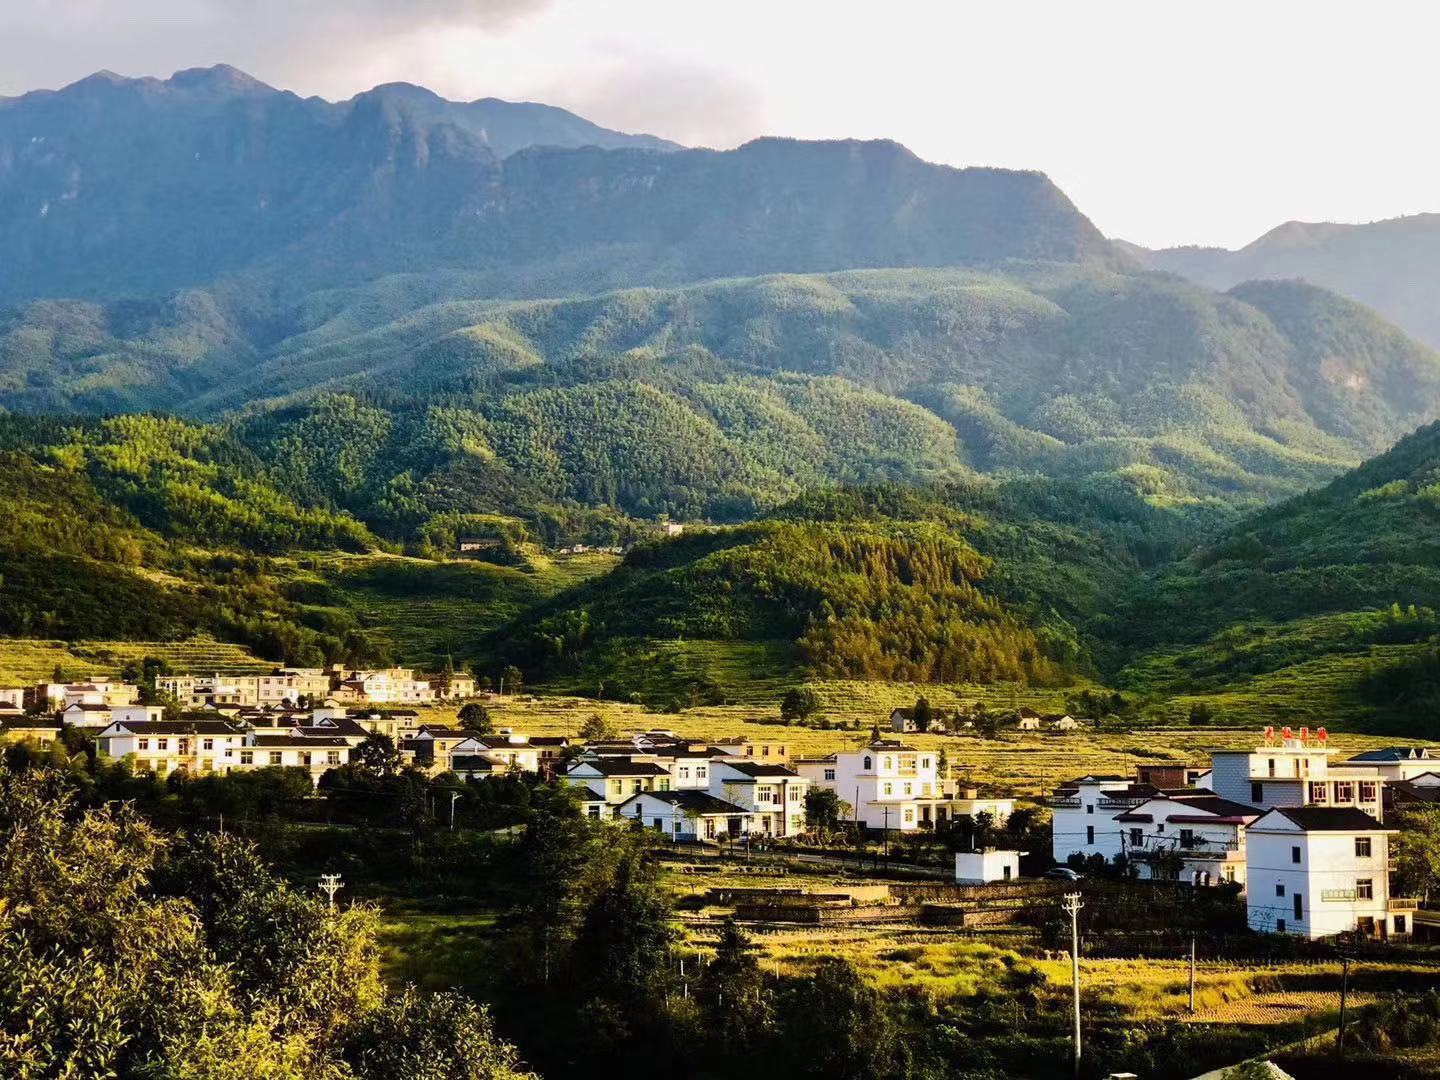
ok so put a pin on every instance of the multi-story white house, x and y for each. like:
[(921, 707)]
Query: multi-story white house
[(502, 753), (316, 754), (386, 686), (615, 779), (1295, 771), (161, 747), (1315, 871), (217, 688), (773, 795), (892, 785), (1083, 816), (687, 763), (1198, 838), (293, 685)]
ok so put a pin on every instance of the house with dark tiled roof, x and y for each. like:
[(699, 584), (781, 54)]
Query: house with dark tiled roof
[(686, 816), (1191, 836), (1318, 871), (617, 778), (773, 795)]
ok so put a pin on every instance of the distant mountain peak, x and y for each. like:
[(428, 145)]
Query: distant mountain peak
[(219, 78)]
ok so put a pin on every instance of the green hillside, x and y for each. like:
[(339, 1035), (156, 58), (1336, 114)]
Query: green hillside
[(1344, 580), (974, 583)]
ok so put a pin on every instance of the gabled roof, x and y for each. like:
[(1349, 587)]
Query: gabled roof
[(1413, 792), (895, 746), (178, 727), (471, 763), (697, 802), (757, 770), (1329, 819), (1394, 753), (621, 767)]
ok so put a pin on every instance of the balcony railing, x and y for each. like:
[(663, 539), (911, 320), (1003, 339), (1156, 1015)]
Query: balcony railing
[(1064, 802), (1114, 802), (1402, 903)]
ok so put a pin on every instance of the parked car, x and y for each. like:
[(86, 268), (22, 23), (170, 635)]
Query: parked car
[(1062, 873)]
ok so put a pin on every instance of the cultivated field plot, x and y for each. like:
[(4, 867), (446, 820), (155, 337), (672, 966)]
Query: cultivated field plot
[(28, 660)]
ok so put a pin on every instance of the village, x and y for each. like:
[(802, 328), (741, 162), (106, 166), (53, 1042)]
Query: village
[(1301, 836)]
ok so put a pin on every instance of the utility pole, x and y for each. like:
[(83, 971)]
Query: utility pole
[(1072, 905), (1344, 991), (454, 795), (330, 884), (1192, 973)]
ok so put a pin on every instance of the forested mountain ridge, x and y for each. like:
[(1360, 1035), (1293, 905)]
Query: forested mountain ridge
[(1390, 265), (726, 398), (137, 187)]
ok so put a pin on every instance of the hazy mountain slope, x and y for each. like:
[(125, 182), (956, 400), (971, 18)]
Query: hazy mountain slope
[(129, 187), (509, 126), (1393, 265)]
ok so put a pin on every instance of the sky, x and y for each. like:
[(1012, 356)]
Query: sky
[(1166, 121)]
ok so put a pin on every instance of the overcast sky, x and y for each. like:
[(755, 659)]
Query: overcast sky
[(1167, 121)]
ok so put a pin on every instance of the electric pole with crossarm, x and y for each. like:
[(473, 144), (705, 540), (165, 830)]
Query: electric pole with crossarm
[(1073, 904)]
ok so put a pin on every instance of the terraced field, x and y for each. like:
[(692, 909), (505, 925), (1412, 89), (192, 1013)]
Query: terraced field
[(24, 660)]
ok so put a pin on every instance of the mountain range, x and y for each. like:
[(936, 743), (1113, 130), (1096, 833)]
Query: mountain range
[(947, 429), (1391, 266)]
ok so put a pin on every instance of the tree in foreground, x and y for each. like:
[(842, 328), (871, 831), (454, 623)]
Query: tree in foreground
[(799, 703), (128, 953)]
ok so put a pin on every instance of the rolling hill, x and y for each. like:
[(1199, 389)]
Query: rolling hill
[(1392, 265)]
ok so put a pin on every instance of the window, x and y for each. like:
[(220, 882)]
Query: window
[(162, 744), (332, 758), (887, 789), (1089, 834), (1279, 926), (765, 751), (867, 763), (1089, 808), (247, 757), (144, 744), (1160, 828), (1294, 854), (1135, 840), (924, 763), (637, 785), (1187, 838), (1362, 847), (906, 789), (885, 764), (700, 772), (1005, 873), (1400, 924), (1367, 791), (684, 772), (1299, 906), (795, 794), (276, 757), (207, 744), (1364, 889), (663, 784), (594, 812), (1257, 793), (1344, 791), (305, 758), (1279, 888), (829, 774), (1272, 766), (909, 816), (1317, 793)]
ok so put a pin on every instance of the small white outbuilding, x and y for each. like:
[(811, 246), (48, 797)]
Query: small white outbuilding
[(989, 864)]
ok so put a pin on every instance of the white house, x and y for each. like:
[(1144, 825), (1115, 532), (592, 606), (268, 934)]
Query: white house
[(616, 779), (505, 753), (687, 763), (161, 747), (1295, 771), (316, 754), (1083, 816), (890, 785), (1315, 871), (1198, 838), (1396, 762), (687, 815), (989, 864), (13, 697), (773, 795)]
